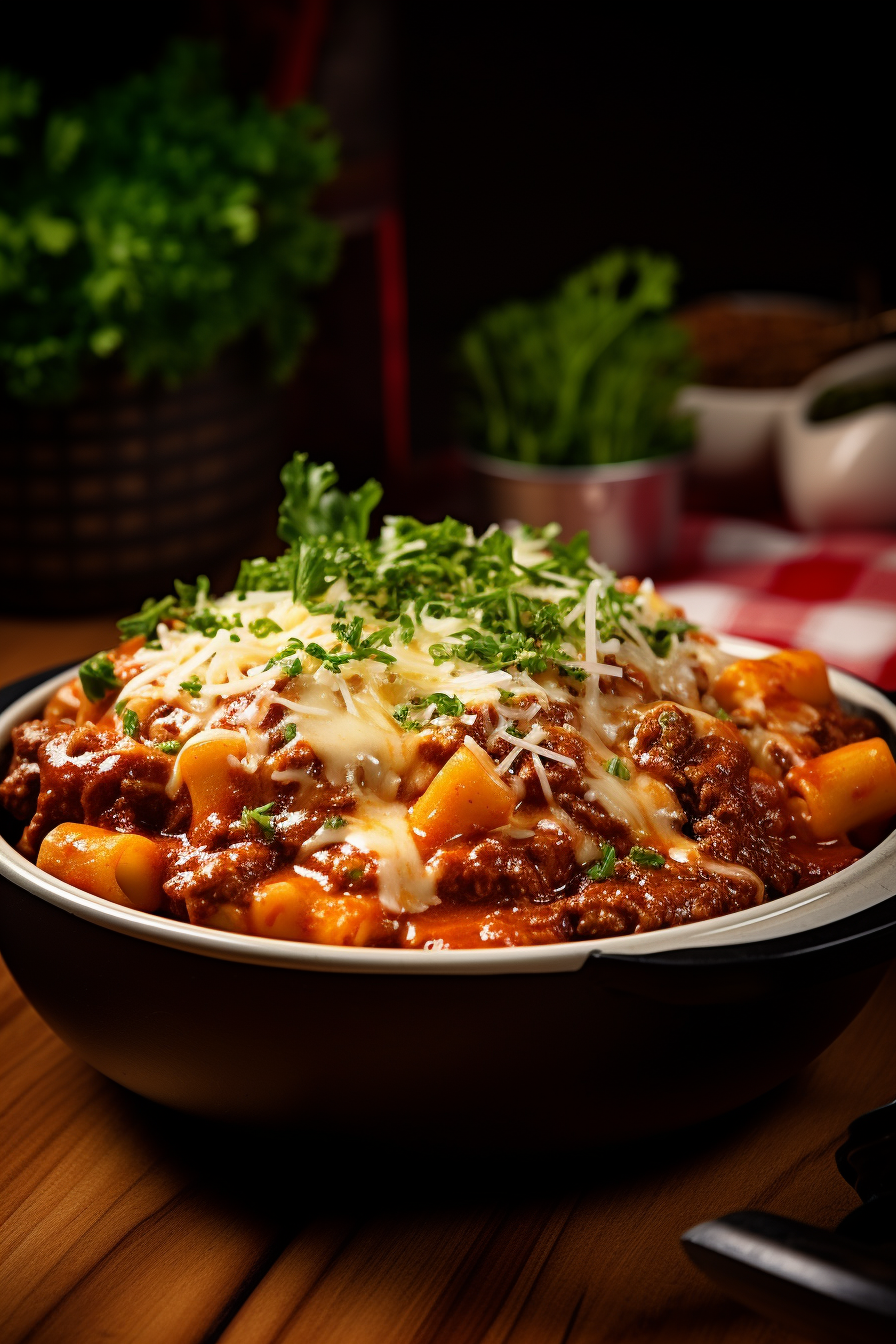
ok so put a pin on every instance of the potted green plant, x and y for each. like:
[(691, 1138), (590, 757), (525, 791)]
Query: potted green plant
[(569, 408), (157, 246)]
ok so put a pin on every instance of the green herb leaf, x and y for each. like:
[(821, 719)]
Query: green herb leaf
[(171, 747), (646, 858), (335, 823), (192, 685), (144, 622), (614, 766), (723, 715), (606, 867), (98, 677), (588, 376), (264, 626), (130, 722), (313, 508), (289, 732), (445, 704), (262, 818)]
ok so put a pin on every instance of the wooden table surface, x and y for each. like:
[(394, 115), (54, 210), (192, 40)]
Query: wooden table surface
[(121, 1222)]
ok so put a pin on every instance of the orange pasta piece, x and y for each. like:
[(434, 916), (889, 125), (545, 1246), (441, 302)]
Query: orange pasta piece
[(466, 796), (793, 674), (844, 789), (126, 869), (208, 775), (295, 905)]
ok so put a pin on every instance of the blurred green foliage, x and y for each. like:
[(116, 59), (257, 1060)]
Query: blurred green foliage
[(160, 220), (588, 376)]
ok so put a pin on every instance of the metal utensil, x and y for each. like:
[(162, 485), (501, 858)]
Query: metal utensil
[(832, 1286)]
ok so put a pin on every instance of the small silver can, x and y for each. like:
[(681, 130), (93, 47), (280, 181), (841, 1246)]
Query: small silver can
[(630, 510)]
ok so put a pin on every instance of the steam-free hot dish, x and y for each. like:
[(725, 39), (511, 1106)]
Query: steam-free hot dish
[(436, 740)]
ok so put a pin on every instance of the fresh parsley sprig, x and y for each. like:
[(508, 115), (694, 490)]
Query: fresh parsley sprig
[(98, 677)]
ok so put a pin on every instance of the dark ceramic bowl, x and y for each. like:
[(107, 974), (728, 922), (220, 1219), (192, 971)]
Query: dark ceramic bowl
[(574, 1043)]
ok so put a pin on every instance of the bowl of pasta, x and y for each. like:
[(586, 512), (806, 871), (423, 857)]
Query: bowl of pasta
[(464, 829)]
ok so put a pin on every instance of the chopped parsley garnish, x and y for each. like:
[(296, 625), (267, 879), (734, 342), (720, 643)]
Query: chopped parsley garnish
[(261, 816), (659, 635), (144, 621), (512, 731), (402, 715), (130, 722), (192, 685), (723, 715), (98, 677), (449, 705), (616, 767), (646, 858), (335, 823), (264, 626), (358, 648), (512, 601), (445, 704), (289, 732), (506, 696), (288, 656), (605, 867), (234, 639), (170, 748)]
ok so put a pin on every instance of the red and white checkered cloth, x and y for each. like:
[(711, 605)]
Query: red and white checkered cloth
[(834, 593)]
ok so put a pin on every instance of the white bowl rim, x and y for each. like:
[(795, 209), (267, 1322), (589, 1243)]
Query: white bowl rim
[(848, 368), (863, 885)]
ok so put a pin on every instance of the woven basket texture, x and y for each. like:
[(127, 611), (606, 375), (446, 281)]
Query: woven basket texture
[(108, 499)]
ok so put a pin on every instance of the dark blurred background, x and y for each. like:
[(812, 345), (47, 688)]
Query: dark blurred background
[(517, 146)]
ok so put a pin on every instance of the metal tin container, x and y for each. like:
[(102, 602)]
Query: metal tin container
[(629, 509)]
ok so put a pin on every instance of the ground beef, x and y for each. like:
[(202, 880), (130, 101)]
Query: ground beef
[(661, 742), (493, 870), (20, 789), (738, 814), (201, 880), (636, 900), (836, 729), (89, 776), (562, 778)]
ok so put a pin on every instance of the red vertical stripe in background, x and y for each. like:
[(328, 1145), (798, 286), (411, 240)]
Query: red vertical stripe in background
[(294, 71), (393, 327)]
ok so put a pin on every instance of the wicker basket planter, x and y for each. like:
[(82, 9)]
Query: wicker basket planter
[(111, 497)]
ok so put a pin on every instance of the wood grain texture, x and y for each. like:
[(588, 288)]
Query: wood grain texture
[(125, 1223)]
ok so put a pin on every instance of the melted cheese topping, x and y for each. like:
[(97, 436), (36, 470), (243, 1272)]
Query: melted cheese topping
[(223, 685)]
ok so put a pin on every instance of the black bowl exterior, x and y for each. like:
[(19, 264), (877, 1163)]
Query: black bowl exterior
[(568, 1059)]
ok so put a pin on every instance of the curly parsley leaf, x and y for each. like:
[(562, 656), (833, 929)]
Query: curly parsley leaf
[(606, 865), (264, 626), (614, 766), (262, 818), (312, 507), (646, 858), (98, 677), (192, 685)]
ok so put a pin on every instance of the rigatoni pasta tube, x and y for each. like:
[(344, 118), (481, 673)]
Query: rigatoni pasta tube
[(845, 788), (126, 869), (465, 796), (205, 769), (296, 905), (797, 674)]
